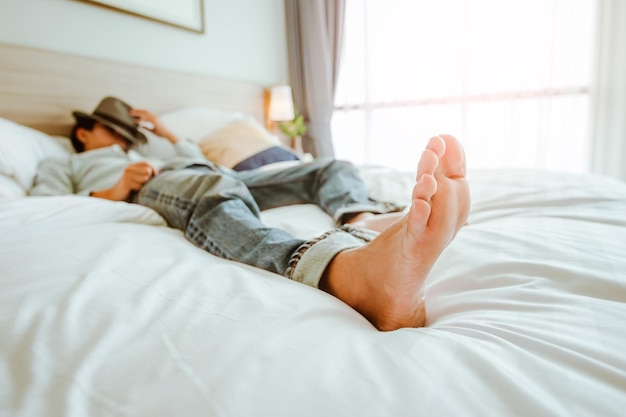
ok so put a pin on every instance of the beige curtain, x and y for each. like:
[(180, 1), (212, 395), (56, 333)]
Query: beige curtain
[(314, 35), (609, 134)]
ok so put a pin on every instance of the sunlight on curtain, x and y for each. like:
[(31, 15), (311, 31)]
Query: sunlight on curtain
[(510, 78)]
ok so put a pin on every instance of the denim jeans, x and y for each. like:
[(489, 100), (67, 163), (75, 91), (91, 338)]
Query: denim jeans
[(218, 210)]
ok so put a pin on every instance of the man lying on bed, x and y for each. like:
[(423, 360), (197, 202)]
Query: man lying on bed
[(378, 268)]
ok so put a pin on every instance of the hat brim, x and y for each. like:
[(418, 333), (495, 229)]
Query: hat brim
[(136, 137)]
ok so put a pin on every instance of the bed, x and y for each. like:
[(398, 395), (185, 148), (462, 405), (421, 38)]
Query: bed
[(105, 311)]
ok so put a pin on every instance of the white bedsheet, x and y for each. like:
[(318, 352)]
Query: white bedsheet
[(104, 311)]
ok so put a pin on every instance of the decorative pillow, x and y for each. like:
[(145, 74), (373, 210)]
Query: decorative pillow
[(267, 157), (244, 144), (22, 149)]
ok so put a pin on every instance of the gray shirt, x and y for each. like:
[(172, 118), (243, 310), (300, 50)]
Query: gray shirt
[(100, 169)]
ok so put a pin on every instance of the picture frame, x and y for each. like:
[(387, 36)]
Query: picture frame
[(184, 14)]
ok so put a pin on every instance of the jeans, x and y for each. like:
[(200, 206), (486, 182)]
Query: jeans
[(218, 210)]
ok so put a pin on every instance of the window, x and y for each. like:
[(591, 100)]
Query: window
[(511, 79)]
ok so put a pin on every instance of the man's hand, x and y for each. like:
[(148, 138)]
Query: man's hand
[(151, 122), (133, 178)]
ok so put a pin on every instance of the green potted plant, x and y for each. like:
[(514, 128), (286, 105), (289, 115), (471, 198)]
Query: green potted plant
[(294, 129)]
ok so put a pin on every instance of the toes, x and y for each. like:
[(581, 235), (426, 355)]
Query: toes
[(425, 188), (453, 161), (438, 145), (418, 216), (428, 164)]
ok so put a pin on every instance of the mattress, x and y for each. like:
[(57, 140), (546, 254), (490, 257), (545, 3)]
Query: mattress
[(105, 311)]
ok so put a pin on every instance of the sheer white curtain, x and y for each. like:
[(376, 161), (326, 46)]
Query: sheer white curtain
[(512, 79), (609, 134), (314, 34)]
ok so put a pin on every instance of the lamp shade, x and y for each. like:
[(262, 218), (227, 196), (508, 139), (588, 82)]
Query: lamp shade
[(281, 103)]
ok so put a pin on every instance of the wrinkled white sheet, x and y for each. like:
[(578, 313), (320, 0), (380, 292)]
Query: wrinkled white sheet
[(104, 311)]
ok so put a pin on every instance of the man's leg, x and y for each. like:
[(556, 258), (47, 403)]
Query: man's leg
[(217, 213), (381, 279), (335, 186), (384, 279)]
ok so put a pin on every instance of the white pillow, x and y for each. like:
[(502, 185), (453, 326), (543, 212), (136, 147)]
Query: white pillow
[(10, 189), (196, 122), (22, 149), (192, 123)]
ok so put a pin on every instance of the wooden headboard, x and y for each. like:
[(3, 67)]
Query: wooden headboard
[(40, 88)]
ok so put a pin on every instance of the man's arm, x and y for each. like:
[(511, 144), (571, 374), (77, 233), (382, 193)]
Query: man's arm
[(151, 122), (133, 178), (53, 178)]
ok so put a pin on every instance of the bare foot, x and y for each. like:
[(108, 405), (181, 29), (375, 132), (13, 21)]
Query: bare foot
[(383, 280)]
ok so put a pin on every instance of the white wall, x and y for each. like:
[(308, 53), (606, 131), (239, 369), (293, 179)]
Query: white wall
[(243, 39)]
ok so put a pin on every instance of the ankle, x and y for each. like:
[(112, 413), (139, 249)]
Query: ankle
[(338, 279)]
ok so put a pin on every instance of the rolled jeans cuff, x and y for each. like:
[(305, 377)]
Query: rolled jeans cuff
[(308, 264)]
